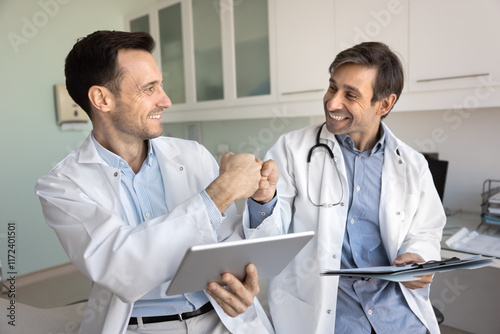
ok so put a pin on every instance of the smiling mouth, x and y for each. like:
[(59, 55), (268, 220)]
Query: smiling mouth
[(157, 116), (336, 118)]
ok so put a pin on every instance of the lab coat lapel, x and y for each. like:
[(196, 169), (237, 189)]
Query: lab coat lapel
[(393, 193), (109, 198), (175, 180)]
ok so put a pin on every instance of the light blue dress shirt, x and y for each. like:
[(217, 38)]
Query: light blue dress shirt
[(378, 304), (146, 195)]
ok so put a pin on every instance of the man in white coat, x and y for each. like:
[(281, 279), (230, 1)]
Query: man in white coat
[(128, 203), (370, 199)]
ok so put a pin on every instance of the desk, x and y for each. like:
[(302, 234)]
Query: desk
[(471, 221), (469, 299)]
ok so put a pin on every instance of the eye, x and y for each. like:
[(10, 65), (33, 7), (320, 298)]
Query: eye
[(351, 96)]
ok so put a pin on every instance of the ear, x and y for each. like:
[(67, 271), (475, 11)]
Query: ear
[(101, 98), (386, 104)]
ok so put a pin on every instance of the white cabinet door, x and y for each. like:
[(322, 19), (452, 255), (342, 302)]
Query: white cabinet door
[(304, 47), (453, 44), (373, 20)]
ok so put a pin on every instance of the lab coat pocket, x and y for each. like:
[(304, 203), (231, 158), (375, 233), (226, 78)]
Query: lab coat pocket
[(289, 314)]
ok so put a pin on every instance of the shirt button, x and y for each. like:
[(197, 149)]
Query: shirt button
[(262, 213), (135, 181), (352, 221), (355, 254), (115, 174), (329, 311), (181, 168), (334, 256), (358, 188), (370, 312), (122, 163), (147, 214)]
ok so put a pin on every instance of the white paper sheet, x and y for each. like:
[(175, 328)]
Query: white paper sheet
[(474, 242)]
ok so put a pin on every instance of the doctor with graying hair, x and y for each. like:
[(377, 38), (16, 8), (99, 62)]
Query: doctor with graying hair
[(369, 197), (128, 203)]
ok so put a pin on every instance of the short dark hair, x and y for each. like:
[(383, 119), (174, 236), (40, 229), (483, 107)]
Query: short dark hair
[(93, 61), (376, 55)]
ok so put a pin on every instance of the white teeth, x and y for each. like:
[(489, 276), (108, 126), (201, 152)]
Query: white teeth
[(337, 118), (155, 116)]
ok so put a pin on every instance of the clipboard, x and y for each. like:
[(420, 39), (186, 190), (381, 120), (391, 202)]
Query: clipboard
[(411, 272), (206, 263)]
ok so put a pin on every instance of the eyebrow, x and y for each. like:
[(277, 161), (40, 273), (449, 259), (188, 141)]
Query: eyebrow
[(151, 83), (348, 87)]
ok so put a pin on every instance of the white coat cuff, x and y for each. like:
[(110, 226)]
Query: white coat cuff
[(213, 212)]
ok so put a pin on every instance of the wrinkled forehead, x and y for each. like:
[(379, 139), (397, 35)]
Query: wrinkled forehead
[(355, 77)]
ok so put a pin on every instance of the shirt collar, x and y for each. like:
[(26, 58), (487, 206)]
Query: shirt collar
[(115, 160), (346, 141)]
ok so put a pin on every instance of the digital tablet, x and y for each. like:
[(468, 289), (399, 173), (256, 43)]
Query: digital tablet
[(206, 263)]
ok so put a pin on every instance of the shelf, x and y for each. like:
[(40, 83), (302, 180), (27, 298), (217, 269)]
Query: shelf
[(491, 190)]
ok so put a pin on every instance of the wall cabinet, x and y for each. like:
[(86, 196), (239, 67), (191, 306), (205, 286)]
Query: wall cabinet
[(235, 59), (446, 46), (304, 47), (212, 54), (453, 43), (373, 20)]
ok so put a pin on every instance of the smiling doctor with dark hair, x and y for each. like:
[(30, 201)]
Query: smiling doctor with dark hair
[(369, 197), (128, 203)]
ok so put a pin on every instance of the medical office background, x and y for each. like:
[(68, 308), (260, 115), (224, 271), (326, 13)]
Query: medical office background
[(457, 118)]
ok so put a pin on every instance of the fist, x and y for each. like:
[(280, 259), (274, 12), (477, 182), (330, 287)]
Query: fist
[(269, 176), (242, 172)]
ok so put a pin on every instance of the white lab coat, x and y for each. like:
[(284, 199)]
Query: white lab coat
[(82, 202), (411, 220)]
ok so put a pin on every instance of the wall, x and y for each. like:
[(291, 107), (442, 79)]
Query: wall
[(36, 35), (468, 141), (254, 136)]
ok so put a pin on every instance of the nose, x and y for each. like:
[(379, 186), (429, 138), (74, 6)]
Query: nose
[(164, 101), (333, 101)]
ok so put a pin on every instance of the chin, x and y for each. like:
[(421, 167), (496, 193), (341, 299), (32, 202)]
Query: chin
[(335, 129)]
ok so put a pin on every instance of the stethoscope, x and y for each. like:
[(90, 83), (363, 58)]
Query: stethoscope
[(309, 155)]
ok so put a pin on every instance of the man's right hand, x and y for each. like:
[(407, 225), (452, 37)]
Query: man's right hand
[(239, 177)]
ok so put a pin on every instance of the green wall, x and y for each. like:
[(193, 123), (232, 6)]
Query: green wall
[(36, 36)]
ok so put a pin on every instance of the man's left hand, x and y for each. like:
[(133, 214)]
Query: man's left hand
[(237, 296), (410, 258)]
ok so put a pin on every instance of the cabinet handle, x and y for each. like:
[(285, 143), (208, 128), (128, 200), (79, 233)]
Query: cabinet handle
[(304, 91), (455, 77)]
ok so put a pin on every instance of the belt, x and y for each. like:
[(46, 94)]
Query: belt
[(183, 316)]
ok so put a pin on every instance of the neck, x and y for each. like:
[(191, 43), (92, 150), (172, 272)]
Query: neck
[(133, 151), (365, 142)]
